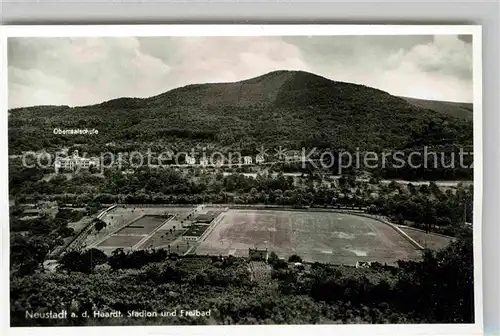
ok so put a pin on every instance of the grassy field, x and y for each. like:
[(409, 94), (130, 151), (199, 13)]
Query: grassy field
[(427, 240), (315, 236)]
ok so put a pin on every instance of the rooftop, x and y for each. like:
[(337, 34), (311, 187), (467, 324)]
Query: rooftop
[(196, 230)]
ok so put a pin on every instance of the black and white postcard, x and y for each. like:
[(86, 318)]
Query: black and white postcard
[(243, 175)]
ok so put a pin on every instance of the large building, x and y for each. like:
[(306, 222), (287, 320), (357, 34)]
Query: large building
[(194, 232), (75, 161), (206, 218)]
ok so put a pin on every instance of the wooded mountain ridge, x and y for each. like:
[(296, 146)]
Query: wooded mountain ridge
[(289, 108)]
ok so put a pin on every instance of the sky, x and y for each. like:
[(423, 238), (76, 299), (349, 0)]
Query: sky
[(82, 71)]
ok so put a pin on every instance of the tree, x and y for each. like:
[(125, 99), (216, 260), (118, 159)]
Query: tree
[(294, 258), (99, 224), (424, 189), (118, 259), (26, 254), (83, 262), (276, 262), (440, 287), (41, 226), (91, 258), (71, 261), (393, 186), (66, 231)]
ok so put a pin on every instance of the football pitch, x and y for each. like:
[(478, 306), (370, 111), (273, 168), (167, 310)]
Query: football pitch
[(315, 236)]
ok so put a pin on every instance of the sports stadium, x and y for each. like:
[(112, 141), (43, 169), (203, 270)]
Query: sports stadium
[(316, 235)]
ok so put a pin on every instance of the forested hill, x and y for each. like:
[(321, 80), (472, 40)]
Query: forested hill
[(293, 109), (461, 110)]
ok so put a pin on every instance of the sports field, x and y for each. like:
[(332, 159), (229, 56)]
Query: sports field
[(428, 240), (315, 236)]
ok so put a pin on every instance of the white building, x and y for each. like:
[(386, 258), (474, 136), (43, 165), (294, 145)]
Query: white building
[(259, 158), (190, 160), (247, 160), (75, 161)]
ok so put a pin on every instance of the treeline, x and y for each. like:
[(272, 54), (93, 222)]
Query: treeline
[(427, 207), (423, 206), (33, 238), (438, 289), (433, 163)]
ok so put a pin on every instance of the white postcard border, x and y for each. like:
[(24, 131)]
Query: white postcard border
[(253, 30)]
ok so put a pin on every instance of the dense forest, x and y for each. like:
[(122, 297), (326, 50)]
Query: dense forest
[(292, 109), (437, 289)]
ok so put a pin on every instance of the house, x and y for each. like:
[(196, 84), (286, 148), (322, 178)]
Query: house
[(247, 160), (259, 159)]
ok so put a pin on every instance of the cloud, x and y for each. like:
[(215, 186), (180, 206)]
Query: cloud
[(428, 67), (92, 70), (439, 70), (223, 59), (80, 71)]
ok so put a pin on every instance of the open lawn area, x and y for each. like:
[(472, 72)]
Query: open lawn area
[(427, 240), (316, 236)]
